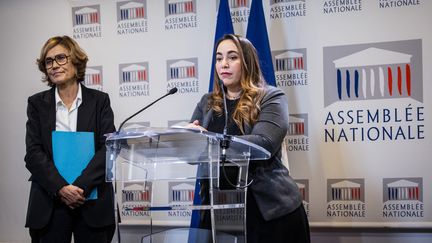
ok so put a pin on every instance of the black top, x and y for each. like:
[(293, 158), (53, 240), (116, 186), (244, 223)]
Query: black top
[(217, 122), (229, 174)]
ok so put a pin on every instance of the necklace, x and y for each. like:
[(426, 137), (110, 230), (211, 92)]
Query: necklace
[(233, 97)]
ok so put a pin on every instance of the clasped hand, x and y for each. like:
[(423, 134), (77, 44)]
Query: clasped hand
[(72, 196)]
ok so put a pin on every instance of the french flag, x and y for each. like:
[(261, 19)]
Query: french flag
[(257, 34)]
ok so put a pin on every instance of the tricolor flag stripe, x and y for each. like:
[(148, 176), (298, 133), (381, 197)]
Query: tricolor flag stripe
[(356, 83), (408, 78), (364, 88), (348, 82), (381, 80), (372, 82), (390, 81), (339, 83), (399, 82)]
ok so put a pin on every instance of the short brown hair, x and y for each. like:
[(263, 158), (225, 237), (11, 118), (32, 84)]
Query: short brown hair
[(77, 56)]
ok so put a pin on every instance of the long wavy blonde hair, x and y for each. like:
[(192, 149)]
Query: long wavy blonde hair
[(251, 81)]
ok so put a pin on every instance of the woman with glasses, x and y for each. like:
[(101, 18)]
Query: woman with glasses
[(57, 209)]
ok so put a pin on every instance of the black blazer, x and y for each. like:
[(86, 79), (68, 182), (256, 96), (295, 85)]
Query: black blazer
[(94, 115)]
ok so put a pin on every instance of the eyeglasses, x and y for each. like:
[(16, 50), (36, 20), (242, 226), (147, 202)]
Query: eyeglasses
[(60, 59)]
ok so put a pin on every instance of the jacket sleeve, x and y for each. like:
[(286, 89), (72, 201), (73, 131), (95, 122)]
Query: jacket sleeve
[(272, 124), (37, 158), (199, 111), (94, 174)]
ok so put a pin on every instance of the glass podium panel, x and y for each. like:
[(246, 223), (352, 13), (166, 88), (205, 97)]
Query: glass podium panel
[(159, 155)]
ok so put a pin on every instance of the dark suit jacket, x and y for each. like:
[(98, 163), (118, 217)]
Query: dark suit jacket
[(274, 190), (94, 115)]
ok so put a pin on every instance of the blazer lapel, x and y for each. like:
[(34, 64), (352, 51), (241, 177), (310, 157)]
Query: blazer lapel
[(50, 115), (85, 111)]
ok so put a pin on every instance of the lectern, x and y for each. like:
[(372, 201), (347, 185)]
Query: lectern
[(159, 154)]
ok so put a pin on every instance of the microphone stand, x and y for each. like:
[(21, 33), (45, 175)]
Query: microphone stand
[(225, 142)]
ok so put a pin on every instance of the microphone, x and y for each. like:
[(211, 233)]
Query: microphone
[(170, 92), (225, 129), (224, 143)]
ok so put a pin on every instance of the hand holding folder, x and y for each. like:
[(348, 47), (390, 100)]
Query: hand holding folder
[(72, 151)]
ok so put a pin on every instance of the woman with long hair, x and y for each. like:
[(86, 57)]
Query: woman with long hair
[(259, 114)]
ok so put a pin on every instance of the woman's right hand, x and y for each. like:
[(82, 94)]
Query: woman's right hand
[(195, 125)]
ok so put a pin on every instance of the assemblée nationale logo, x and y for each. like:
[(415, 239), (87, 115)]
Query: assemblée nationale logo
[(183, 74), (284, 9), (346, 198), (403, 198), (240, 10), (297, 137), (290, 67), (398, 3), (136, 199), (180, 194), (180, 14), (134, 79), (86, 22), (93, 77), (336, 7), (132, 17), (384, 81)]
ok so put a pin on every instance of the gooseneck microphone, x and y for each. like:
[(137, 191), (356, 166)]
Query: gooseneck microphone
[(170, 92), (226, 139), (225, 129), (225, 142)]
